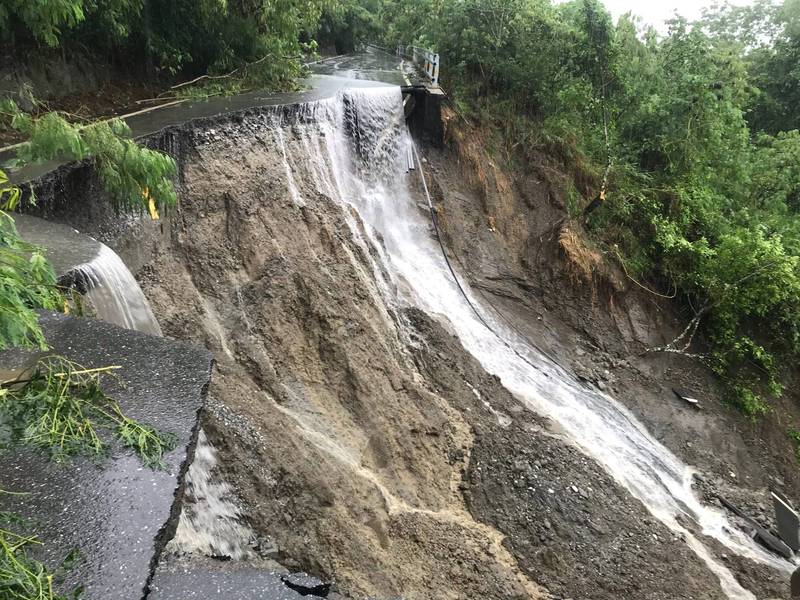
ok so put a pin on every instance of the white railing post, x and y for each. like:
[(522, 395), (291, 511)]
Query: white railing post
[(425, 59)]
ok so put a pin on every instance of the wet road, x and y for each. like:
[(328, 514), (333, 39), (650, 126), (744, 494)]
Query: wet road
[(329, 76), (111, 511)]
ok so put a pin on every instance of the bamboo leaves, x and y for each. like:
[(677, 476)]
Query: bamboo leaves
[(27, 283), (63, 409)]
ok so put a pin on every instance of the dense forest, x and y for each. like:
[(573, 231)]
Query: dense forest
[(688, 138)]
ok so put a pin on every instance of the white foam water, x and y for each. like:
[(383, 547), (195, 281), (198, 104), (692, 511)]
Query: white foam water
[(352, 148), (112, 292), (210, 523)]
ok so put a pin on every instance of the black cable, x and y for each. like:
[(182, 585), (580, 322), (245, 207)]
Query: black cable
[(435, 222)]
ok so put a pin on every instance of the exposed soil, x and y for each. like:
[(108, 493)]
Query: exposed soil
[(511, 233), (372, 449), (368, 445)]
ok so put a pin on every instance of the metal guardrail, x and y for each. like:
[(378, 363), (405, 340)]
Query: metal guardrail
[(424, 58)]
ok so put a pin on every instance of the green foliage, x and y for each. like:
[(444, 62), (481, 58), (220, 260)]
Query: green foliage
[(22, 577), (180, 38), (44, 19), (62, 408), (130, 173), (27, 283), (344, 26)]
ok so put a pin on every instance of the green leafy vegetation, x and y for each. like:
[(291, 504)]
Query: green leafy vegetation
[(22, 577), (176, 39), (27, 283), (61, 407), (133, 175), (692, 135)]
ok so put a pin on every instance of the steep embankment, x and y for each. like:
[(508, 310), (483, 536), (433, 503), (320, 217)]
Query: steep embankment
[(510, 233), (361, 436)]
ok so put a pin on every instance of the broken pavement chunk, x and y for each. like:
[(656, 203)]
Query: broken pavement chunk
[(788, 522)]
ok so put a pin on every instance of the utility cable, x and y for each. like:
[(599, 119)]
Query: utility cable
[(435, 222)]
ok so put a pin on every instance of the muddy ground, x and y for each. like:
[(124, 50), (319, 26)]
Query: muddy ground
[(511, 233), (371, 448)]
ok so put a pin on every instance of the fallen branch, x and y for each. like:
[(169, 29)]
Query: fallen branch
[(95, 123), (231, 74), (13, 382), (644, 287)]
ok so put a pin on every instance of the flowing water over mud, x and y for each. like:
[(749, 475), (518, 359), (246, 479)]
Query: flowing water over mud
[(209, 523), (356, 154), (108, 287)]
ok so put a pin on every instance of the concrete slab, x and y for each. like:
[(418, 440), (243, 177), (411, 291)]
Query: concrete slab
[(788, 522), (115, 512)]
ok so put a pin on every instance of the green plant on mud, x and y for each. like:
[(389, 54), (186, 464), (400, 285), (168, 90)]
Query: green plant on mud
[(794, 436), (22, 577), (62, 408)]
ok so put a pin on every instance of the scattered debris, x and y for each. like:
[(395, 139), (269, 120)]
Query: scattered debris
[(687, 397), (758, 533)]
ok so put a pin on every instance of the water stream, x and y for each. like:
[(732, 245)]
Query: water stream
[(109, 289), (353, 149)]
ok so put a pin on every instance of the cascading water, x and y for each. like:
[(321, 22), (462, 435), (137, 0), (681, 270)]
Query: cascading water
[(95, 270), (353, 150), (210, 521)]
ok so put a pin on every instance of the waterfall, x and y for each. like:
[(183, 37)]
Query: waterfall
[(210, 523), (110, 291), (356, 154)]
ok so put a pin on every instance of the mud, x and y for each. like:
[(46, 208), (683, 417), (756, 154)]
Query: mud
[(365, 443), (511, 233), (365, 446)]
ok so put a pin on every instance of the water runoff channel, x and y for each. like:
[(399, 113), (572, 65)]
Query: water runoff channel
[(355, 149), (352, 144)]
